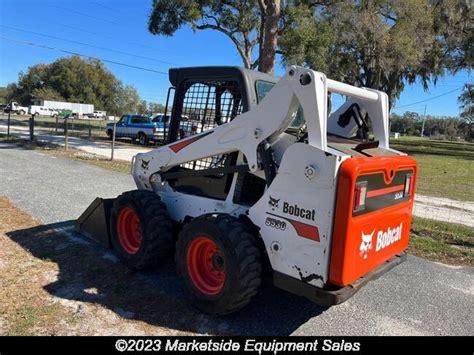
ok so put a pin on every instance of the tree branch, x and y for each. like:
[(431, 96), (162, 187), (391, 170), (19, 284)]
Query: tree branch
[(229, 34)]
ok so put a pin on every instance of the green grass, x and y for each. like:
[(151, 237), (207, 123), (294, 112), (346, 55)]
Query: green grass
[(26, 318), (446, 169), (441, 241)]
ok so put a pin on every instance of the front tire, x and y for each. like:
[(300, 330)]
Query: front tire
[(219, 263), (141, 230)]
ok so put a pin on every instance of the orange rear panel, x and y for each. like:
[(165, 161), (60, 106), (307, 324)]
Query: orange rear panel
[(365, 239)]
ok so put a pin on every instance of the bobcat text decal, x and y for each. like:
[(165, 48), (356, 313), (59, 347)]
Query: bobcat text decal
[(385, 238)]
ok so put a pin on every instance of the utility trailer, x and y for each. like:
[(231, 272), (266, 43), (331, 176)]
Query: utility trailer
[(271, 181)]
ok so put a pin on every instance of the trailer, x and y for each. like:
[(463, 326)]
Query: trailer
[(77, 108)]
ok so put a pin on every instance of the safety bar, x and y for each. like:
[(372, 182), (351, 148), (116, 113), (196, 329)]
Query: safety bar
[(349, 90)]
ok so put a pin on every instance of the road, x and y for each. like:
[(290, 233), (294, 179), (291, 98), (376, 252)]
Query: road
[(437, 208), (418, 297)]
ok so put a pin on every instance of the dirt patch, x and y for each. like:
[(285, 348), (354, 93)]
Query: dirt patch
[(54, 285)]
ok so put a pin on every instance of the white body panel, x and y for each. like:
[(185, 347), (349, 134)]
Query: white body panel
[(297, 255)]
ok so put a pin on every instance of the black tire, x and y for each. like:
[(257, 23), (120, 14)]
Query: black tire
[(142, 138), (154, 225), (110, 134), (22, 112), (241, 262), (37, 114)]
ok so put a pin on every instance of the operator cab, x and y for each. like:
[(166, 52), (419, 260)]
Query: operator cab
[(206, 97)]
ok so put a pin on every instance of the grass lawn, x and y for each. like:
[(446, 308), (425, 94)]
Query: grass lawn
[(444, 242), (446, 169)]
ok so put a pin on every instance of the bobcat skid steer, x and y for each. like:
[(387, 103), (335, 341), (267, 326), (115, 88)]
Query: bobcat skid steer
[(267, 178)]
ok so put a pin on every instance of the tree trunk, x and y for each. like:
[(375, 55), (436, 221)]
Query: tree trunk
[(269, 37)]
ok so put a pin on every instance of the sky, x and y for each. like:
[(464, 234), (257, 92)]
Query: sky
[(116, 31)]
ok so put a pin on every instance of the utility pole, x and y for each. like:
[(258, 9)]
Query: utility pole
[(423, 125)]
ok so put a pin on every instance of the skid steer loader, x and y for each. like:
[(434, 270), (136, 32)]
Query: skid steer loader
[(267, 180)]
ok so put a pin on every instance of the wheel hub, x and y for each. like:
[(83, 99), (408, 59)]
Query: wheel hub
[(128, 230), (206, 265)]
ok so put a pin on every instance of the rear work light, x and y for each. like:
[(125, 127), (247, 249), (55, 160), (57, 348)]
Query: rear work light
[(359, 196), (408, 183)]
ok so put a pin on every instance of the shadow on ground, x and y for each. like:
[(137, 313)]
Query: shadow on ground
[(154, 297)]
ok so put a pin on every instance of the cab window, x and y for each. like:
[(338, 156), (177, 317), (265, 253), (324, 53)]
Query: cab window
[(263, 88), (139, 119)]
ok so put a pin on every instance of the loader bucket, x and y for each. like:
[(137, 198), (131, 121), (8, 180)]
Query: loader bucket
[(94, 222)]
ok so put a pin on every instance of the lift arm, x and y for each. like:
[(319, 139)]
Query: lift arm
[(299, 87)]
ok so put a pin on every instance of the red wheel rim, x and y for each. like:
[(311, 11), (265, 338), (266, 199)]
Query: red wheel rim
[(128, 230), (206, 267)]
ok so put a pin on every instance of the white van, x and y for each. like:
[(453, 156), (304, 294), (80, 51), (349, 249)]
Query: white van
[(43, 111)]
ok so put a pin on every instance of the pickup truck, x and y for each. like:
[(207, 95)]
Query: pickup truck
[(97, 114), (14, 107), (186, 127), (145, 129), (136, 127)]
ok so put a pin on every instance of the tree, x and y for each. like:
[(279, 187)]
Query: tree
[(127, 100), (143, 107), (466, 101), (11, 93), (247, 23), (154, 107), (382, 44), (75, 80), (47, 93)]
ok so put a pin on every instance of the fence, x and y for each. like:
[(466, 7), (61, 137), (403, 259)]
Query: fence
[(73, 132)]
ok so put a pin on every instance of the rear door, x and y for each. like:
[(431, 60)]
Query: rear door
[(374, 206)]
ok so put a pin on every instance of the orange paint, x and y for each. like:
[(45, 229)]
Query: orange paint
[(389, 226)]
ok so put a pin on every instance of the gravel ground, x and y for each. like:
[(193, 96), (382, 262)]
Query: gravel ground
[(417, 297)]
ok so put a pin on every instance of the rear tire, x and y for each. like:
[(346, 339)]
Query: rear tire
[(142, 138), (140, 228), (219, 263)]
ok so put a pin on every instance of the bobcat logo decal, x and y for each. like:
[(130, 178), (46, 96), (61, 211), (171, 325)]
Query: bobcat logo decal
[(273, 202), (145, 164), (366, 244)]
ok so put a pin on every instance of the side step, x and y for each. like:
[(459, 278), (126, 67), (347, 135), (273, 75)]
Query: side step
[(94, 221)]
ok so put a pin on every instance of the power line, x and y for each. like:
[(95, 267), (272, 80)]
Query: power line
[(431, 98), (82, 55), (85, 15), (106, 7), (111, 37), (86, 44)]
